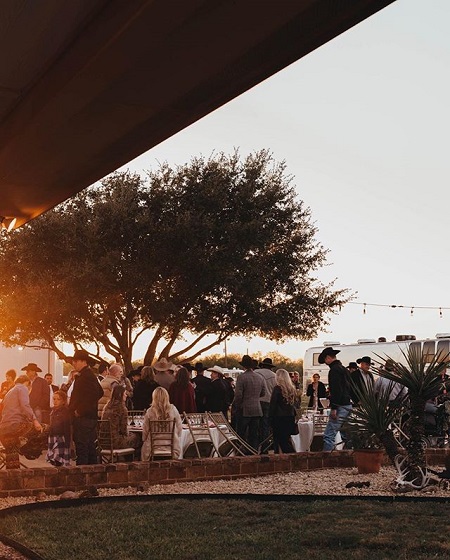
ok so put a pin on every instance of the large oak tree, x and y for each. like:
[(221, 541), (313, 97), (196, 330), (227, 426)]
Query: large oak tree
[(220, 246)]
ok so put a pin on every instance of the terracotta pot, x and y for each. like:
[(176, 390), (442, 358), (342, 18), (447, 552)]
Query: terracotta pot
[(368, 460)]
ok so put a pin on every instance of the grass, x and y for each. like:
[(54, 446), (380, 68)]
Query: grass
[(235, 529)]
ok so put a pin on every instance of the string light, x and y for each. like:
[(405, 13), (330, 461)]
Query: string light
[(440, 309)]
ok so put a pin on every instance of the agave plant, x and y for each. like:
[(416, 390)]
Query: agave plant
[(370, 423), (424, 381)]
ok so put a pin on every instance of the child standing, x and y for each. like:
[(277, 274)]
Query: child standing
[(59, 436)]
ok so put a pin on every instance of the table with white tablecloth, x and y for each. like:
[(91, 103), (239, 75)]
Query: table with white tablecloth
[(302, 441), (186, 438)]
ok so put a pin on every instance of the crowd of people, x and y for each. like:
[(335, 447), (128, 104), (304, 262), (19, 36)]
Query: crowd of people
[(345, 386), (261, 404), (33, 408)]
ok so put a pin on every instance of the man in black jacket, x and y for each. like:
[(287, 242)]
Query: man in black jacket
[(216, 398), (340, 402), (83, 404), (202, 386)]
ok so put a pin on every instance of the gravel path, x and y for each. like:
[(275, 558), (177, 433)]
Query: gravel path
[(325, 482)]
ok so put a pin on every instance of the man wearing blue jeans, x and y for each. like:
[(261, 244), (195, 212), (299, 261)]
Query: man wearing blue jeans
[(340, 402)]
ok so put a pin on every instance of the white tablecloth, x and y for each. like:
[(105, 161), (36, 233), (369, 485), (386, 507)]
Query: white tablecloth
[(303, 439), (186, 439)]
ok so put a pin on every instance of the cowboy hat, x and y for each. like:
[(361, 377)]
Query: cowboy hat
[(199, 367), (247, 361), (84, 356), (162, 365), (31, 367), (327, 352), (364, 359), (217, 369), (266, 363)]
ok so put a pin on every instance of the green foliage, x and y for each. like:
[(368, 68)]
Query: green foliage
[(421, 377), (370, 421), (219, 246), (424, 381)]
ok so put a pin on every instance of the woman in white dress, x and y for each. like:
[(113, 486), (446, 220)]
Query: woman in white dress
[(161, 409)]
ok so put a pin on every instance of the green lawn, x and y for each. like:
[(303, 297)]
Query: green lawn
[(235, 529)]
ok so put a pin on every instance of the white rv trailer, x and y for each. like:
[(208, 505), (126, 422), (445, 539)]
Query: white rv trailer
[(377, 350), (16, 357)]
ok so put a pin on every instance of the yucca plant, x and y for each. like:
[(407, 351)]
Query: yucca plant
[(369, 425), (424, 381)]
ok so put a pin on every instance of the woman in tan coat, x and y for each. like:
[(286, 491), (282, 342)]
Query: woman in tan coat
[(161, 409)]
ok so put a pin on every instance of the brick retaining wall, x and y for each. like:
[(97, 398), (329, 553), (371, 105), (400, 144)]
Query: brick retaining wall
[(28, 482)]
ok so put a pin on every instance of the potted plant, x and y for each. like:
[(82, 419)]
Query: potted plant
[(369, 427), (424, 379)]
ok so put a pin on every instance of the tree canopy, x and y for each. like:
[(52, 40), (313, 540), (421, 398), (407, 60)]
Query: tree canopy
[(219, 246)]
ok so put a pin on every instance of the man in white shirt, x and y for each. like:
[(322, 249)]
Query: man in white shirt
[(362, 377)]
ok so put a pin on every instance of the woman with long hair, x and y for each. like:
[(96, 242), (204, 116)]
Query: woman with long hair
[(282, 412), (143, 390), (181, 392), (161, 409), (116, 412)]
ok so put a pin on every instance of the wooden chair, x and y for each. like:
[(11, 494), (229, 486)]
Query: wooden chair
[(107, 452), (161, 434), (202, 444), (320, 422), (232, 443), (2, 457)]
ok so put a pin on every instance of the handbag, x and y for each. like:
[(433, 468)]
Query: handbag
[(294, 430)]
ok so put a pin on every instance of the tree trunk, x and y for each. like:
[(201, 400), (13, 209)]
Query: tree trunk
[(415, 446)]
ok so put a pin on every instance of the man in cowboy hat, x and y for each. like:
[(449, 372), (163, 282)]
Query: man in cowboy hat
[(216, 397), (39, 393), (362, 377), (340, 402), (83, 405), (265, 370), (164, 373), (250, 387), (352, 367), (202, 386)]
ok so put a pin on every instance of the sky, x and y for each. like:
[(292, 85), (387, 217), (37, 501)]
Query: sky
[(362, 123)]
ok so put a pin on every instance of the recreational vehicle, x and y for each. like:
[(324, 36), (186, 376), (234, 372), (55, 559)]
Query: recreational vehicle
[(16, 357), (377, 350)]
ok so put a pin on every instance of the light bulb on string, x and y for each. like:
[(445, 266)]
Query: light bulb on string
[(440, 312), (364, 309), (412, 311)]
